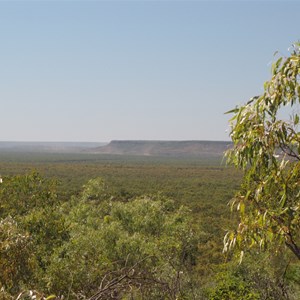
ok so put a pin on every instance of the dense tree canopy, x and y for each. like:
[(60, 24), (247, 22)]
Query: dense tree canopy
[(141, 248), (267, 147), (94, 245)]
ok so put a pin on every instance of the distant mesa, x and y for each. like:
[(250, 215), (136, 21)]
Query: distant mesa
[(164, 148), (124, 147)]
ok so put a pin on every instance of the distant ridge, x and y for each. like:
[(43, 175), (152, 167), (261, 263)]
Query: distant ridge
[(48, 147), (164, 148)]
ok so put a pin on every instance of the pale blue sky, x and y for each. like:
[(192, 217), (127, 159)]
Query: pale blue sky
[(158, 70)]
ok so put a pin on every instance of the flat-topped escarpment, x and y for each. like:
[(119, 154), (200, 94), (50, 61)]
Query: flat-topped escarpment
[(164, 148)]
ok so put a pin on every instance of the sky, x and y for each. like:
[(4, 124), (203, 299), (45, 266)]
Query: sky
[(135, 70)]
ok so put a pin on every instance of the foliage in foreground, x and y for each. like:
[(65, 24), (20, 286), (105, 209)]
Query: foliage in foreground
[(99, 245), (145, 245), (94, 245), (267, 148)]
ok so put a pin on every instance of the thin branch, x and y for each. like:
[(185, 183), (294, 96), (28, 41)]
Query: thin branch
[(290, 152)]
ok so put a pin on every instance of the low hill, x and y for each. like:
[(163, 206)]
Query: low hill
[(165, 148)]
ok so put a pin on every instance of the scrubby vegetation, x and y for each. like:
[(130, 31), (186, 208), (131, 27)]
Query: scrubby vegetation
[(114, 227)]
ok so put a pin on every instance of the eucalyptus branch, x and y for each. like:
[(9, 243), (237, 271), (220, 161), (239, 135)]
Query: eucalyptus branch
[(289, 151)]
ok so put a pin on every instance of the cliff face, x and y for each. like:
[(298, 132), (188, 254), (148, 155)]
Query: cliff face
[(165, 148)]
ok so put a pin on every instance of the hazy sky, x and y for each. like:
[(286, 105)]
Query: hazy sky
[(103, 70)]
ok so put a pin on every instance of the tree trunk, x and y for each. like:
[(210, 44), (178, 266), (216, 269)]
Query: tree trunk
[(293, 247)]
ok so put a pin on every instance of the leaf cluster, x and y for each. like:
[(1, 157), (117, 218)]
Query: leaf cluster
[(267, 148)]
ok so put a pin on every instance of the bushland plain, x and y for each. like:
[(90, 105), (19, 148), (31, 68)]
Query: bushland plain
[(203, 185)]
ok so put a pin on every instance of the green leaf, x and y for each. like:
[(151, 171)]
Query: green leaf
[(241, 257), (233, 111)]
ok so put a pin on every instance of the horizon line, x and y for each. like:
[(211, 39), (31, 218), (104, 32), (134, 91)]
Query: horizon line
[(127, 140)]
